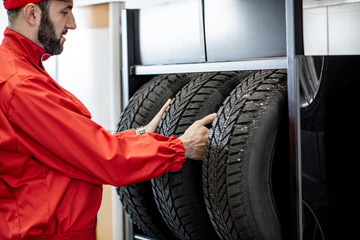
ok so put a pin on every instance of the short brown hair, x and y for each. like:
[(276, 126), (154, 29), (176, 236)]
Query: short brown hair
[(14, 13)]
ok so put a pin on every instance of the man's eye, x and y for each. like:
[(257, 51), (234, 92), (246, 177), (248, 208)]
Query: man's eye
[(65, 13)]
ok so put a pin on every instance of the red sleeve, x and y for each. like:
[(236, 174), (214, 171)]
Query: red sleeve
[(52, 127)]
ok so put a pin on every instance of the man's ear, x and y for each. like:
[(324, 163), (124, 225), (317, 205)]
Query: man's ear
[(32, 14)]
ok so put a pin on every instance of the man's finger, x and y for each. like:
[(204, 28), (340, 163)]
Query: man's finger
[(207, 119), (163, 109), (165, 105)]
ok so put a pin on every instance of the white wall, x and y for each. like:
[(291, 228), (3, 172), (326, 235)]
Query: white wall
[(83, 69), (3, 22)]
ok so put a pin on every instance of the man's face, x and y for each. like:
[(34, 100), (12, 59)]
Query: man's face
[(54, 24)]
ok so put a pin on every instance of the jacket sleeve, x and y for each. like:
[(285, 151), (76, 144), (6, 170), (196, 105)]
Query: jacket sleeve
[(52, 128)]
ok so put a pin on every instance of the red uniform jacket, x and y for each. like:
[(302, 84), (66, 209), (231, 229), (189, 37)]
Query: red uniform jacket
[(54, 158)]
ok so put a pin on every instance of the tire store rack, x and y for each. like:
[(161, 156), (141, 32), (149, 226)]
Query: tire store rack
[(252, 62)]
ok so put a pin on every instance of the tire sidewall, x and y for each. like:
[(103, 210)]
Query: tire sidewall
[(260, 168)]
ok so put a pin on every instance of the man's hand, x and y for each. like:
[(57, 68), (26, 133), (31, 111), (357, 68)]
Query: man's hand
[(152, 126), (194, 138)]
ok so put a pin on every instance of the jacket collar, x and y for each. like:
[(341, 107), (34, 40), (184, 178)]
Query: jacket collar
[(25, 47)]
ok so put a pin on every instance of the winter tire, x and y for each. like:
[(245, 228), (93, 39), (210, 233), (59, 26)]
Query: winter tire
[(137, 199), (178, 195), (246, 179)]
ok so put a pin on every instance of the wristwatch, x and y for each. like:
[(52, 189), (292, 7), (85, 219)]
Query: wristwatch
[(140, 130)]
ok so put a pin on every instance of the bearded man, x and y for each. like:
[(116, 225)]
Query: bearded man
[(53, 158)]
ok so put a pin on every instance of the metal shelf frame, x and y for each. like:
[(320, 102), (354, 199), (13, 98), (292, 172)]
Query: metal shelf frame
[(252, 64), (294, 49)]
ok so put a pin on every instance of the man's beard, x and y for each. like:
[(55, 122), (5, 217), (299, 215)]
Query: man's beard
[(47, 36)]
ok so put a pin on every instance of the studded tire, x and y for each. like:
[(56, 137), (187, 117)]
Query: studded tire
[(246, 180)]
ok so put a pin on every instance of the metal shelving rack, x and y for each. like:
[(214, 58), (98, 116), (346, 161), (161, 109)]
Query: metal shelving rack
[(294, 49)]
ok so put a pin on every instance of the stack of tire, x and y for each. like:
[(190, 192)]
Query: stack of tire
[(241, 190)]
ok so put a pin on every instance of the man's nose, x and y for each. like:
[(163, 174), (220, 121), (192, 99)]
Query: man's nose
[(71, 23)]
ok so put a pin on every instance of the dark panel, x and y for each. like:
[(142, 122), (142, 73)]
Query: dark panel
[(243, 29), (171, 33)]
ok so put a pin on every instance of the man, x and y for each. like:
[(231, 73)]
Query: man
[(53, 157)]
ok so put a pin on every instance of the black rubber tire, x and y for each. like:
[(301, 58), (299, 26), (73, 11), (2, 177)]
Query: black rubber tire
[(246, 179), (137, 199), (178, 195)]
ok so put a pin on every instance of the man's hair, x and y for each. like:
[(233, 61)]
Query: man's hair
[(14, 13)]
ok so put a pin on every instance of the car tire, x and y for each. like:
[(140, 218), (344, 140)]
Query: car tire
[(137, 199), (246, 165)]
